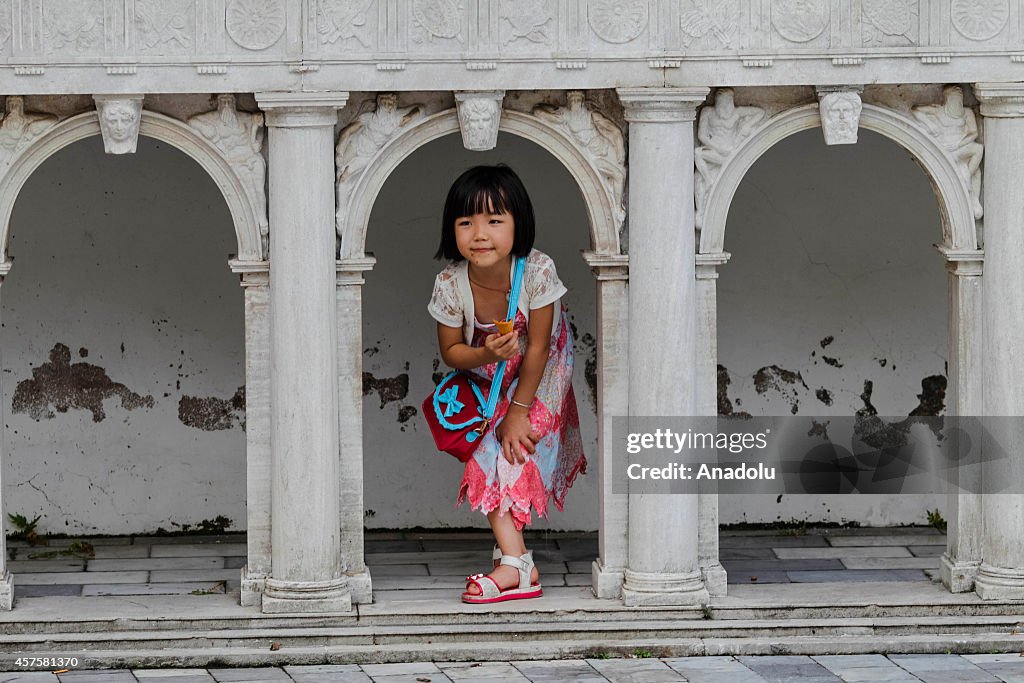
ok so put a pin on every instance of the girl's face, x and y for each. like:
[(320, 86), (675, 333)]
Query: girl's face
[(485, 239)]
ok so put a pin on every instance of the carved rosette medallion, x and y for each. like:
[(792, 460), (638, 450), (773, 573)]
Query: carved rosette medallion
[(255, 24), (800, 21), (340, 20), (617, 21), (440, 18), (980, 19)]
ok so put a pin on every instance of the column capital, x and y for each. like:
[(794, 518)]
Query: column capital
[(707, 264), (661, 105), (349, 271), (608, 266), (963, 262), (301, 109), (1000, 100)]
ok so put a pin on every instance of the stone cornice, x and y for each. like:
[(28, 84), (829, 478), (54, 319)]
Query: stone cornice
[(963, 262), (1000, 100), (661, 105)]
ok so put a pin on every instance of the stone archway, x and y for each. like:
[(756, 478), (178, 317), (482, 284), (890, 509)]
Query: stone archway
[(964, 260), (43, 137), (383, 139)]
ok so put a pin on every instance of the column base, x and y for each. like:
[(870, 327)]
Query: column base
[(716, 581), (607, 582), (999, 583), (360, 587), (303, 597), (957, 576), (649, 589), (252, 587), (6, 591)]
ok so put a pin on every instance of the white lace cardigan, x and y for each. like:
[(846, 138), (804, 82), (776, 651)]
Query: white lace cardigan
[(452, 301)]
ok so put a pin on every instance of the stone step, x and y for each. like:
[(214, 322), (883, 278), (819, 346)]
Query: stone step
[(461, 633), (511, 649)]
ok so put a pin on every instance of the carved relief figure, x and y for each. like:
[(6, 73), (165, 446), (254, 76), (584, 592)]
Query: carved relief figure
[(341, 19), (18, 129), (840, 117), (956, 129), (362, 139), (601, 140), (720, 131), (5, 22), (119, 123), (529, 20), (239, 137), (479, 118)]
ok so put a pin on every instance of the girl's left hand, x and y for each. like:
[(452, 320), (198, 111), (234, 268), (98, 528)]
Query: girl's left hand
[(515, 433)]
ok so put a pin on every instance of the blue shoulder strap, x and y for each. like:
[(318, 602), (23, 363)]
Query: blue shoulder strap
[(513, 304)]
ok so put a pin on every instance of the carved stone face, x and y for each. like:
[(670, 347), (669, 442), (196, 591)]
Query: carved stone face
[(119, 123), (840, 114), (724, 102), (479, 119), (954, 101)]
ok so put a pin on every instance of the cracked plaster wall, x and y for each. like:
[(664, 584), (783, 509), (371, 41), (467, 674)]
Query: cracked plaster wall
[(834, 301), (122, 338)]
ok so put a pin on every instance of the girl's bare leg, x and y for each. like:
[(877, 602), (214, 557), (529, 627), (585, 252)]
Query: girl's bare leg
[(511, 542)]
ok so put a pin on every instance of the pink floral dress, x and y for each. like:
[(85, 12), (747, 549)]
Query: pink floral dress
[(489, 481)]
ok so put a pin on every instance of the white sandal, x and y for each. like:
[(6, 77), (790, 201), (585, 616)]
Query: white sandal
[(491, 592)]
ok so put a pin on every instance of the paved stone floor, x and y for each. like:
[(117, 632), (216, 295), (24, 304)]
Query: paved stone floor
[(422, 566), (1005, 668)]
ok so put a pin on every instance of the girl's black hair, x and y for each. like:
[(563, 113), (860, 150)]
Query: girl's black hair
[(482, 189)]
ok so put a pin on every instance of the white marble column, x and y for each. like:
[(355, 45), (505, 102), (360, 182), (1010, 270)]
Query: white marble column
[(306, 573), (349, 301), (1001, 575), (712, 571), (612, 274), (959, 564), (662, 566), (255, 277), (6, 580)]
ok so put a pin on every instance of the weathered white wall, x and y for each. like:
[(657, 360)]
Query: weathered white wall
[(123, 260), (133, 250), (833, 283)]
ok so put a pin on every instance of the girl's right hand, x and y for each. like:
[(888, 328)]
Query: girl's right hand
[(502, 346)]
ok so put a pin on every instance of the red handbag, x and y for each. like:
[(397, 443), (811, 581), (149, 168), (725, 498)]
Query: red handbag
[(456, 410)]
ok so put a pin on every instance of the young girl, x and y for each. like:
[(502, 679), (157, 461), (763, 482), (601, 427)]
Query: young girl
[(534, 450)]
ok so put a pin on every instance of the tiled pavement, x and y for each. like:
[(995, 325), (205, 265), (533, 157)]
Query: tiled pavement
[(435, 564), (823, 669)]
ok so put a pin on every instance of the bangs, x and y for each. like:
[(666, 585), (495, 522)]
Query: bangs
[(485, 198)]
